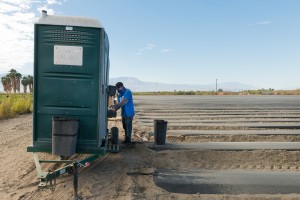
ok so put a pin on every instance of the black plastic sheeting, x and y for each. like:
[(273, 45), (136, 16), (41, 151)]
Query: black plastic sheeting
[(227, 182)]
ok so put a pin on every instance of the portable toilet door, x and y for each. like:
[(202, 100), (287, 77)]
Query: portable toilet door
[(71, 66)]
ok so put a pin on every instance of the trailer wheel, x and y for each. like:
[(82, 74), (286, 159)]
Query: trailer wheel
[(114, 135)]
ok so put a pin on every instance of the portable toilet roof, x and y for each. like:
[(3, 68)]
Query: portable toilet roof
[(68, 21)]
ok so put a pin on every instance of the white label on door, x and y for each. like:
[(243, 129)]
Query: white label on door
[(68, 55)]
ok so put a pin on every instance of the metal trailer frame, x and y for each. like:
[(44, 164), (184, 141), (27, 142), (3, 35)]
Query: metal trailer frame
[(72, 166)]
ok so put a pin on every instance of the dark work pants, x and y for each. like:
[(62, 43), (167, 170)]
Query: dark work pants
[(127, 126)]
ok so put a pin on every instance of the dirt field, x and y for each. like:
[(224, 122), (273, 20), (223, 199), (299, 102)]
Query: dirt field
[(129, 174)]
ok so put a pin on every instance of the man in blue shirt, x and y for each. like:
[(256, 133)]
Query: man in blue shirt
[(125, 102)]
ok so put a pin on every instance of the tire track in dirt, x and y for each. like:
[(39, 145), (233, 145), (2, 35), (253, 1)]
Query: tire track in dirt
[(272, 160)]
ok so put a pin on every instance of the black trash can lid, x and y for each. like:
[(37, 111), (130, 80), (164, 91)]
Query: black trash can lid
[(160, 121)]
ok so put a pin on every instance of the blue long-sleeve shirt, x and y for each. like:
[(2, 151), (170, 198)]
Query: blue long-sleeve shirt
[(126, 102)]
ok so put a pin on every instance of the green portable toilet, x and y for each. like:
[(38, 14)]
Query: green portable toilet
[(71, 71)]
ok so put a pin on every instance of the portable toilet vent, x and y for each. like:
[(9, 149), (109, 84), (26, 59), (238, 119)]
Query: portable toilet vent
[(71, 66)]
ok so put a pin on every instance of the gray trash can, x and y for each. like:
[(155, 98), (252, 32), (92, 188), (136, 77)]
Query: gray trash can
[(160, 131), (64, 136)]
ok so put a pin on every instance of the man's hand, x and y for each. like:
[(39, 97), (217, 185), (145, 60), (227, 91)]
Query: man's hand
[(119, 105)]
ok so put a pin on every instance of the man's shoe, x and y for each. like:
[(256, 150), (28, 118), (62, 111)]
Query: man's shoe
[(127, 145)]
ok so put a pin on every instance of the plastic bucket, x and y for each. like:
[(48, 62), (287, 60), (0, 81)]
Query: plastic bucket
[(160, 131), (64, 136)]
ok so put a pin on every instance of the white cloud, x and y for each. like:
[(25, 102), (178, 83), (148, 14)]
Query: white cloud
[(17, 18), (5, 7), (166, 50), (264, 22), (50, 2), (148, 47), (16, 22), (138, 53)]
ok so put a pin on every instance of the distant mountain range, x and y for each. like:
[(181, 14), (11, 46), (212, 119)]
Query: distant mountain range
[(139, 86)]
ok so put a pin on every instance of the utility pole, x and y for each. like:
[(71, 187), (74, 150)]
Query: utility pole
[(216, 85)]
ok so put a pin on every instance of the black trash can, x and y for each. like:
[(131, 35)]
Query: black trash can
[(160, 131), (114, 135), (64, 136)]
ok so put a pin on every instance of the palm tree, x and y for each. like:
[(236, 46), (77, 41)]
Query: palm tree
[(15, 78), (18, 80), (30, 83), (6, 82), (25, 83), (12, 76)]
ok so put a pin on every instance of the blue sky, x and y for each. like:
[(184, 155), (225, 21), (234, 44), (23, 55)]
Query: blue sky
[(176, 41)]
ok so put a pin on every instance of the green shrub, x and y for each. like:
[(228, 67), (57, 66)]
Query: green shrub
[(20, 106), (5, 109), (14, 104)]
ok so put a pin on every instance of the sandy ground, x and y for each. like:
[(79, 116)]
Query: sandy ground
[(129, 173)]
